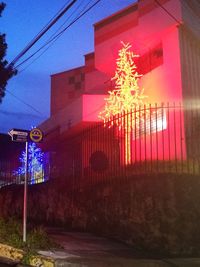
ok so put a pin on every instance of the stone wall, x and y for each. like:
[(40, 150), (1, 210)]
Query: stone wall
[(157, 213)]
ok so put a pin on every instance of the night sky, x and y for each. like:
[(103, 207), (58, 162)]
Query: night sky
[(28, 101)]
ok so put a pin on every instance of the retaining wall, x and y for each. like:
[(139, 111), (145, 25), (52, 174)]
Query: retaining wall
[(158, 213)]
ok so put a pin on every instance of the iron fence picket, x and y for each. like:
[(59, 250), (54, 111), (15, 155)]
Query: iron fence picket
[(158, 138)]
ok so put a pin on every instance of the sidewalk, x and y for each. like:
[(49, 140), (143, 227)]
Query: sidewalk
[(83, 249)]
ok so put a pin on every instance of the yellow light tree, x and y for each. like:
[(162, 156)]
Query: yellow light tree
[(125, 98)]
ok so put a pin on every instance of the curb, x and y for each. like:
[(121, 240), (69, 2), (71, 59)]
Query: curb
[(41, 261), (13, 257), (16, 255), (11, 253)]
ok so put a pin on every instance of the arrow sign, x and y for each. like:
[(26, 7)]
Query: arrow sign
[(19, 135)]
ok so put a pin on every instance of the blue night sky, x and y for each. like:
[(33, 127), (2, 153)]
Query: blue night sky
[(28, 101)]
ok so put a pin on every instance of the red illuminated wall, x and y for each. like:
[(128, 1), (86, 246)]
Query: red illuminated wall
[(162, 144), (159, 62), (155, 37), (156, 43), (96, 82)]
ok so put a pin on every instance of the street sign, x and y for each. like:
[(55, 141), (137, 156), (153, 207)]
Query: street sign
[(19, 135), (36, 135)]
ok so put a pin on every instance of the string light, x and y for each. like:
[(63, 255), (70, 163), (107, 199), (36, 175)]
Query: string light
[(126, 97), (35, 164)]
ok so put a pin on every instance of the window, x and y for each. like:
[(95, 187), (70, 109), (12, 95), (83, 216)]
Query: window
[(71, 80), (77, 86), (150, 60), (82, 76)]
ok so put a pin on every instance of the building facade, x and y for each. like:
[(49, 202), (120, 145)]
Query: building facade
[(166, 36)]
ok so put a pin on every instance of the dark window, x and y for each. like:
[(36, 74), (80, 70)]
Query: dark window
[(150, 60), (71, 79), (82, 76), (77, 86)]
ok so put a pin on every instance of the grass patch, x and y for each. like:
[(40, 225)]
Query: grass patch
[(11, 233)]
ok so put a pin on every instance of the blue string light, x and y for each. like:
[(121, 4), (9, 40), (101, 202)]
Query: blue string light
[(35, 164)]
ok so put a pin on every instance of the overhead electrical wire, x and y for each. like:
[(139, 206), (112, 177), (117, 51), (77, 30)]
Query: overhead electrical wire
[(70, 17), (29, 45), (59, 34), (60, 10), (51, 43), (172, 16), (55, 36), (21, 54), (25, 103)]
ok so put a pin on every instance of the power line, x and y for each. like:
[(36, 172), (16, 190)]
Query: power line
[(43, 32), (47, 24), (51, 43), (58, 15), (69, 18), (28, 105), (172, 16), (59, 34)]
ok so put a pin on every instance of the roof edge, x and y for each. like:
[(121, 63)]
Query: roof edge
[(115, 16)]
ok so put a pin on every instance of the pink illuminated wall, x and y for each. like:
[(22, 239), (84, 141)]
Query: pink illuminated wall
[(155, 36), (137, 27), (164, 143), (159, 138), (158, 47)]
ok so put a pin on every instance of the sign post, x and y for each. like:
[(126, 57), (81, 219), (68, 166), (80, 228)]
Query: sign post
[(18, 135), (25, 195)]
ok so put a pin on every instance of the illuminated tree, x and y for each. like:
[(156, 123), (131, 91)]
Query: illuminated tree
[(35, 164), (126, 97)]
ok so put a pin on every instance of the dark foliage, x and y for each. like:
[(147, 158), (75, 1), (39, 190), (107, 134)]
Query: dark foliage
[(6, 70)]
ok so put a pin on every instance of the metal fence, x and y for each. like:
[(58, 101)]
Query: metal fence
[(6, 172), (10, 174), (149, 139)]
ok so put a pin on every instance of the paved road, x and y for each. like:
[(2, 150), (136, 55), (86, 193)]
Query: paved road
[(84, 249)]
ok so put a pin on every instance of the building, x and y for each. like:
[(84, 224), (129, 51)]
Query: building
[(166, 35)]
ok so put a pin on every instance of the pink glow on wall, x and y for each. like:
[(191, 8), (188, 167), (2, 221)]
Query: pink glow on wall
[(161, 140), (158, 47), (167, 144), (91, 106), (162, 83)]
